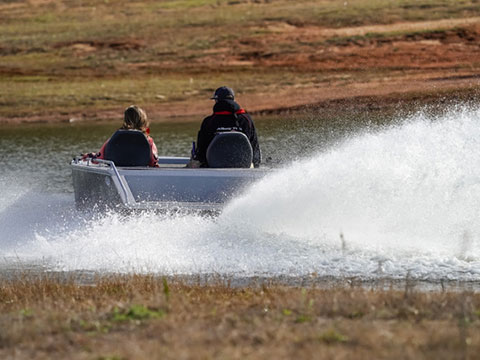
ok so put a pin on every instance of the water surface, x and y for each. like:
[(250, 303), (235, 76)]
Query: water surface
[(352, 197)]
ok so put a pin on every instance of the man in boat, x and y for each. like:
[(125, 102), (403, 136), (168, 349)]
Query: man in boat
[(227, 116), (135, 118)]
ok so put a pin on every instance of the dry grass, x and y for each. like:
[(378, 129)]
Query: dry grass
[(142, 317)]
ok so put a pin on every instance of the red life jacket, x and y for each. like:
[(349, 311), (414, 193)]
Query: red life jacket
[(238, 112)]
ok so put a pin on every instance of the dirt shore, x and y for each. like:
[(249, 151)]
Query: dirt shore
[(283, 59), (400, 93)]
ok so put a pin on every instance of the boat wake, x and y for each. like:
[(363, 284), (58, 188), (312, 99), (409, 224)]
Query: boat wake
[(398, 201)]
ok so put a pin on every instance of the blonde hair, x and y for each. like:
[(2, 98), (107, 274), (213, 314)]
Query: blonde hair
[(135, 118)]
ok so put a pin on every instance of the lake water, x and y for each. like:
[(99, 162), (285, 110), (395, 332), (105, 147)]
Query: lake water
[(366, 196)]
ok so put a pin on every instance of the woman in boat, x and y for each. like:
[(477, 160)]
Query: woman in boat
[(227, 116), (135, 118)]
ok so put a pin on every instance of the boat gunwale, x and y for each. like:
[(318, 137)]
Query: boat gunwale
[(169, 170)]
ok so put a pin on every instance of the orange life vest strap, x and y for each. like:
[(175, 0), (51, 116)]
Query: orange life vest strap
[(238, 112)]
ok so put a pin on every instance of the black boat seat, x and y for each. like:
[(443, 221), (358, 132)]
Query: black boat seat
[(230, 150), (128, 148)]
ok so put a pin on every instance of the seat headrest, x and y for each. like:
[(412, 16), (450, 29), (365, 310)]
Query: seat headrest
[(230, 150), (128, 148)]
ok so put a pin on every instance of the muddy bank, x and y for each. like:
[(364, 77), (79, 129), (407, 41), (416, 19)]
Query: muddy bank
[(397, 95)]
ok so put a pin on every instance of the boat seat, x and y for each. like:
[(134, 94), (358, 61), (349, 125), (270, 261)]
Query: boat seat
[(230, 150), (128, 148)]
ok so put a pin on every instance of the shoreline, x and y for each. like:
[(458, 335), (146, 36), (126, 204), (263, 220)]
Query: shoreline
[(313, 281), (357, 96), (287, 58)]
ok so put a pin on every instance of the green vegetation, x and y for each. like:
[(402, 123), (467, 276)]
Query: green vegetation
[(331, 336), (136, 312)]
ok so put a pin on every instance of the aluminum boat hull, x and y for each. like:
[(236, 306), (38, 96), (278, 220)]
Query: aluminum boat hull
[(100, 184)]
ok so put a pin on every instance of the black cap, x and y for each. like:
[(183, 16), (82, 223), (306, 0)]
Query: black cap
[(223, 93)]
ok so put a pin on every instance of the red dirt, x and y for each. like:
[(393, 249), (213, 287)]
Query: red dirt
[(374, 62), (427, 62)]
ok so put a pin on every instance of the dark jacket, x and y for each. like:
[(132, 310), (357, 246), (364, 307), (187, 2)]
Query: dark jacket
[(227, 116)]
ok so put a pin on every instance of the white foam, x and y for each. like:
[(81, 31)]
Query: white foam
[(404, 199), (13, 193)]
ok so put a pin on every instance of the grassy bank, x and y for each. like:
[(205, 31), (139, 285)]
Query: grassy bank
[(141, 317), (60, 59)]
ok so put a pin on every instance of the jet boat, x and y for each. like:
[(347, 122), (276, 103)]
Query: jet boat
[(129, 184)]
